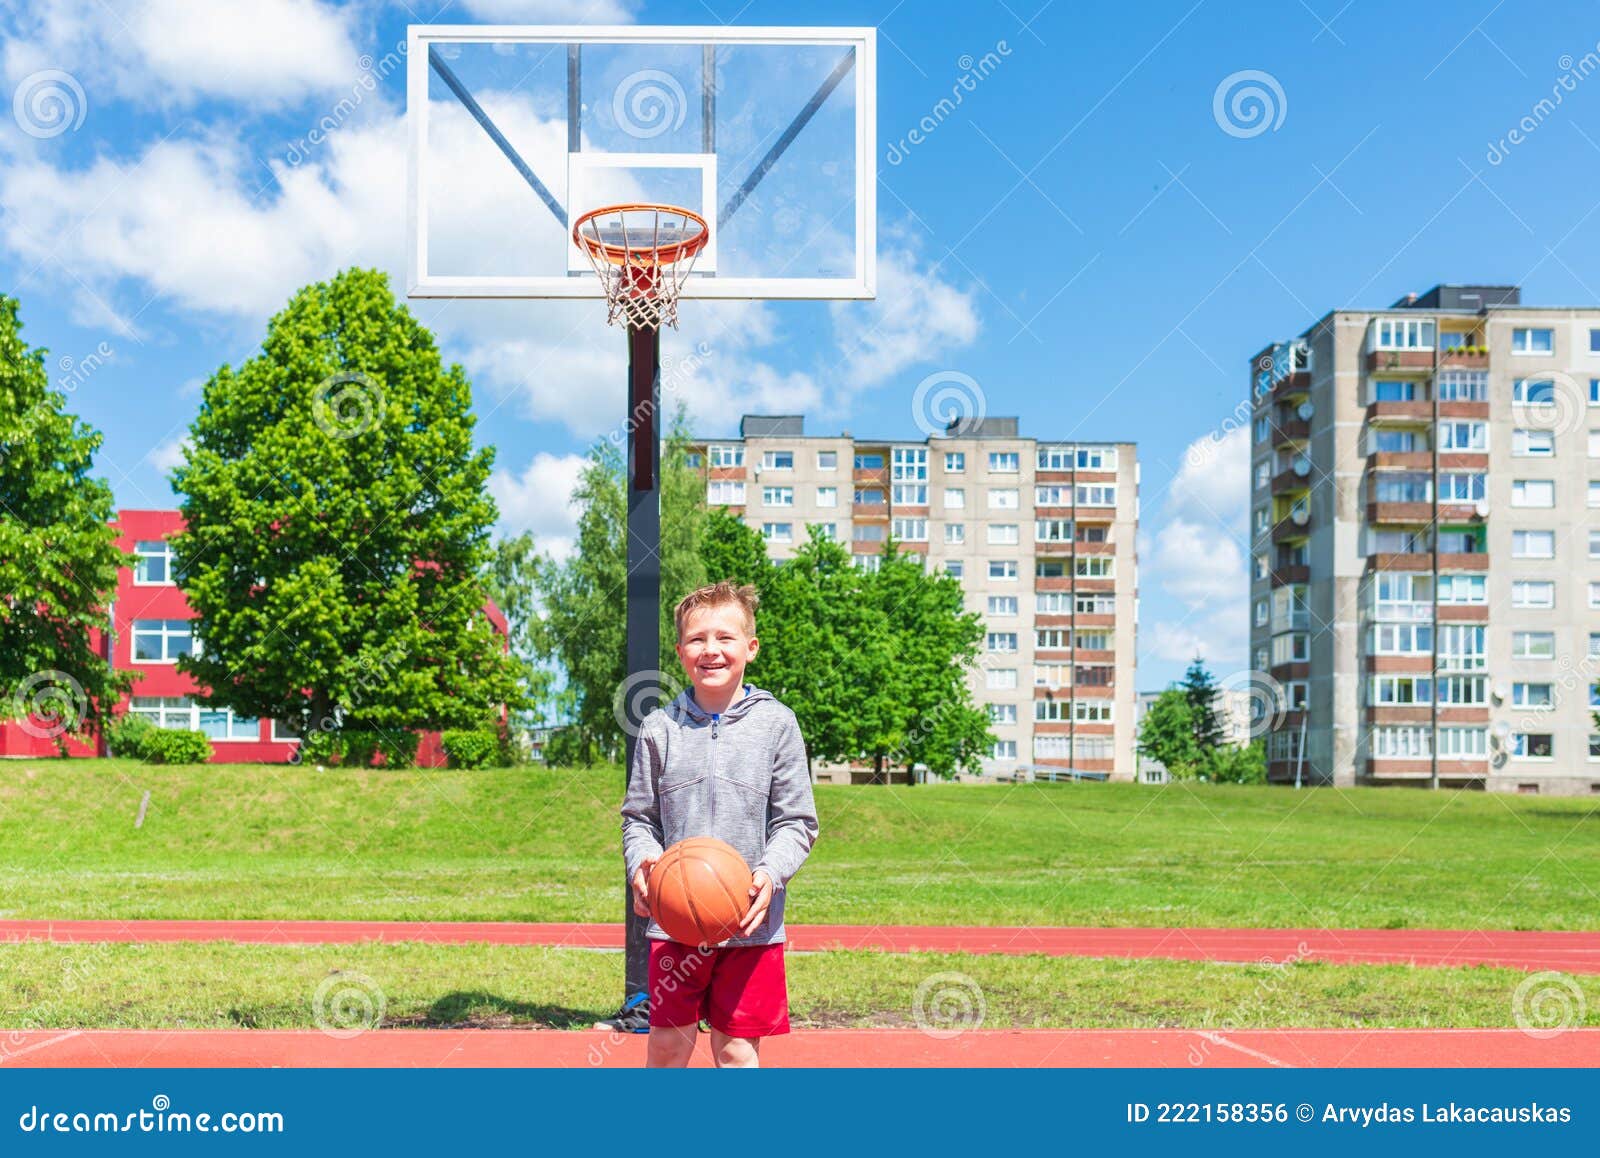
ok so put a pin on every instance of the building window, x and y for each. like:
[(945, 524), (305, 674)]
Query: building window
[(1533, 492), (1533, 544), (1097, 458), (1053, 530), (161, 640), (726, 455), (955, 568), (1055, 458), (1464, 436), (1533, 392), (827, 460), (871, 564), (1463, 743), (1004, 750), (1462, 386), (1462, 487), (1002, 605), (1594, 544), (1004, 499), (777, 496), (1263, 475), (1533, 443), (867, 532), (1402, 743), (1051, 675), (777, 460), (1002, 713), (1594, 494), (1052, 602), (1000, 678), (1095, 567), (1052, 639), (1097, 495), (1002, 641), (1401, 639), (827, 496), (1400, 691), (910, 465), (1594, 596), (1462, 691), (1005, 569), (1052, 747), (955, 498), (1463, 589), (1533, 745), (869, 462), (153, 564), (869, 496), (1052, 496), (1533, 645), (1004, 534), (955, 532), (1462, 647), (911, 530), (222, 725), (1399, 391), (1093, 641), (1594, 341), (1095, 604), (778, 532), (1294, 647), (175, 712), (1004, 462), (1539, 594), (1527, 340), (694, 459), (1262, 569), (724, 493), (1263, 428), (955, 462), (1050, 569), (1403, 334), (1384, 441), (1529, 695), (829, 531)]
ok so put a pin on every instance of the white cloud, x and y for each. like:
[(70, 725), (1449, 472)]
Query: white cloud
[(1213, 484), (168, 456), (917, 318), (1218, 638), (540, 500), (553, 11), (1198, 564), (265, 53)]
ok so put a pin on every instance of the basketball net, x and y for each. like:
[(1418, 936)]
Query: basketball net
[(643, 255)]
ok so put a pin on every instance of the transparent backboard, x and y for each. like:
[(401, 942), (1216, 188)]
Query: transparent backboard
[(767, 133)]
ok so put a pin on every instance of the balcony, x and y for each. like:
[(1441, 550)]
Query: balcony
[(1421, 663), (1460, 513), (1389, 360), (1411, 514), (1478, 561), (1293, 573), (1413, 611), (1463, 613), (1409, 561), (1296, 620), (1297, 670), (1464, 358), (1294, 429), (1402, 459), (1097, 548), (1292, 385), (869, 511), (1297, 526), (1412, 412), (1464, 410), (1292, 480), (1399, 714)]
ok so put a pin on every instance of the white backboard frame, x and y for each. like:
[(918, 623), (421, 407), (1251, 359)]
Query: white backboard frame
[(420, 283)]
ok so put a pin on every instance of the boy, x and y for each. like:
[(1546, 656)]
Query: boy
[(724, 759)]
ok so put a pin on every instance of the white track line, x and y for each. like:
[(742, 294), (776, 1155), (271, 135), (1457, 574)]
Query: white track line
[(1218, 1039)]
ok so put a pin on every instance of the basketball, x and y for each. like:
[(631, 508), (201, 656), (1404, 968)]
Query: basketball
[(700, 891)]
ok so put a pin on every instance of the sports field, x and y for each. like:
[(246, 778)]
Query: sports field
[(265, 841), (270, 842)]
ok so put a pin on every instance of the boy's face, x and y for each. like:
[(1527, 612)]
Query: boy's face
[(715, 647)]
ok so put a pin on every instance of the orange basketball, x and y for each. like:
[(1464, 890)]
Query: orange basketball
[(700, 891)]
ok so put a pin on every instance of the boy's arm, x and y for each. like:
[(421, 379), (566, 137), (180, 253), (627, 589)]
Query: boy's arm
[(641, 808), (792, 813)]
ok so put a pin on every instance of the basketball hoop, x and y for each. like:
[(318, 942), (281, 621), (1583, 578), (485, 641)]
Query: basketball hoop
[(643, 254)]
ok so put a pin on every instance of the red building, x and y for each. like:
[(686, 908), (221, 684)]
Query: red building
[(149, 632)]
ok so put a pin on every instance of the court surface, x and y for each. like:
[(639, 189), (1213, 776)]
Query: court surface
[(1572, 952), (1027, 1048)]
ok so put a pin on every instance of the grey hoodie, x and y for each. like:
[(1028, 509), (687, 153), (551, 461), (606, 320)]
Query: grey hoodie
[(740, 777)]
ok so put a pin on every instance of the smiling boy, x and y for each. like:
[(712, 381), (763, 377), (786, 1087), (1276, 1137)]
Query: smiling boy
[(723, 759)]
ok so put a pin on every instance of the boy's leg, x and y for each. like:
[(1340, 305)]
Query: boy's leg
[(735, 1053), (671, 1046)]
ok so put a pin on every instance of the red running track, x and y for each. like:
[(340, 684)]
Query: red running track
[(1031, 1048), (1569, 952)]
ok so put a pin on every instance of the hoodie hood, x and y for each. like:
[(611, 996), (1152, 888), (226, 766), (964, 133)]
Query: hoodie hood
[(685, 707)]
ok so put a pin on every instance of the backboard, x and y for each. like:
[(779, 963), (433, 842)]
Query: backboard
[(768, 133)]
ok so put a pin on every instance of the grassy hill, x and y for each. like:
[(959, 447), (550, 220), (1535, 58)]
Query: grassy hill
[(273, 842)]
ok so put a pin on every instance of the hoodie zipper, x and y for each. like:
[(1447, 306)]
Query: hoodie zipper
[(716, 719)]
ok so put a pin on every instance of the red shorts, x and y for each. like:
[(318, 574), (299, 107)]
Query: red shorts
[(741, 990)]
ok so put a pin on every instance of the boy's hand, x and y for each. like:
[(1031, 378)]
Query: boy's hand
[(761, 900), (641, 887)]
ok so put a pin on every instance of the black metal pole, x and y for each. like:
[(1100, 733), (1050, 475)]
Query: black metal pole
[(644, 582)]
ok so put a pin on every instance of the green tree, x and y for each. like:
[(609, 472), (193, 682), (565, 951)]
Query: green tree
[(1167, 735), (1239, 764), (337, 527), (513, 584), (935, 642), (585, 596), (58, 552), (1200, 689)]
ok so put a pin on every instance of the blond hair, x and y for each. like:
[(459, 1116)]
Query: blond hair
[(719, 595)]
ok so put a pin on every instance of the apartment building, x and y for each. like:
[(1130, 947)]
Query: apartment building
[(1425, 513), (147, 631), (1040, 533)]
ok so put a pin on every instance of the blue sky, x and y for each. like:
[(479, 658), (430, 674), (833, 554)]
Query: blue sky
[(1091, 236)]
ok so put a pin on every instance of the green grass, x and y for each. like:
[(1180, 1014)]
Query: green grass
[(279, 842), (222, 985), (282, 842)]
